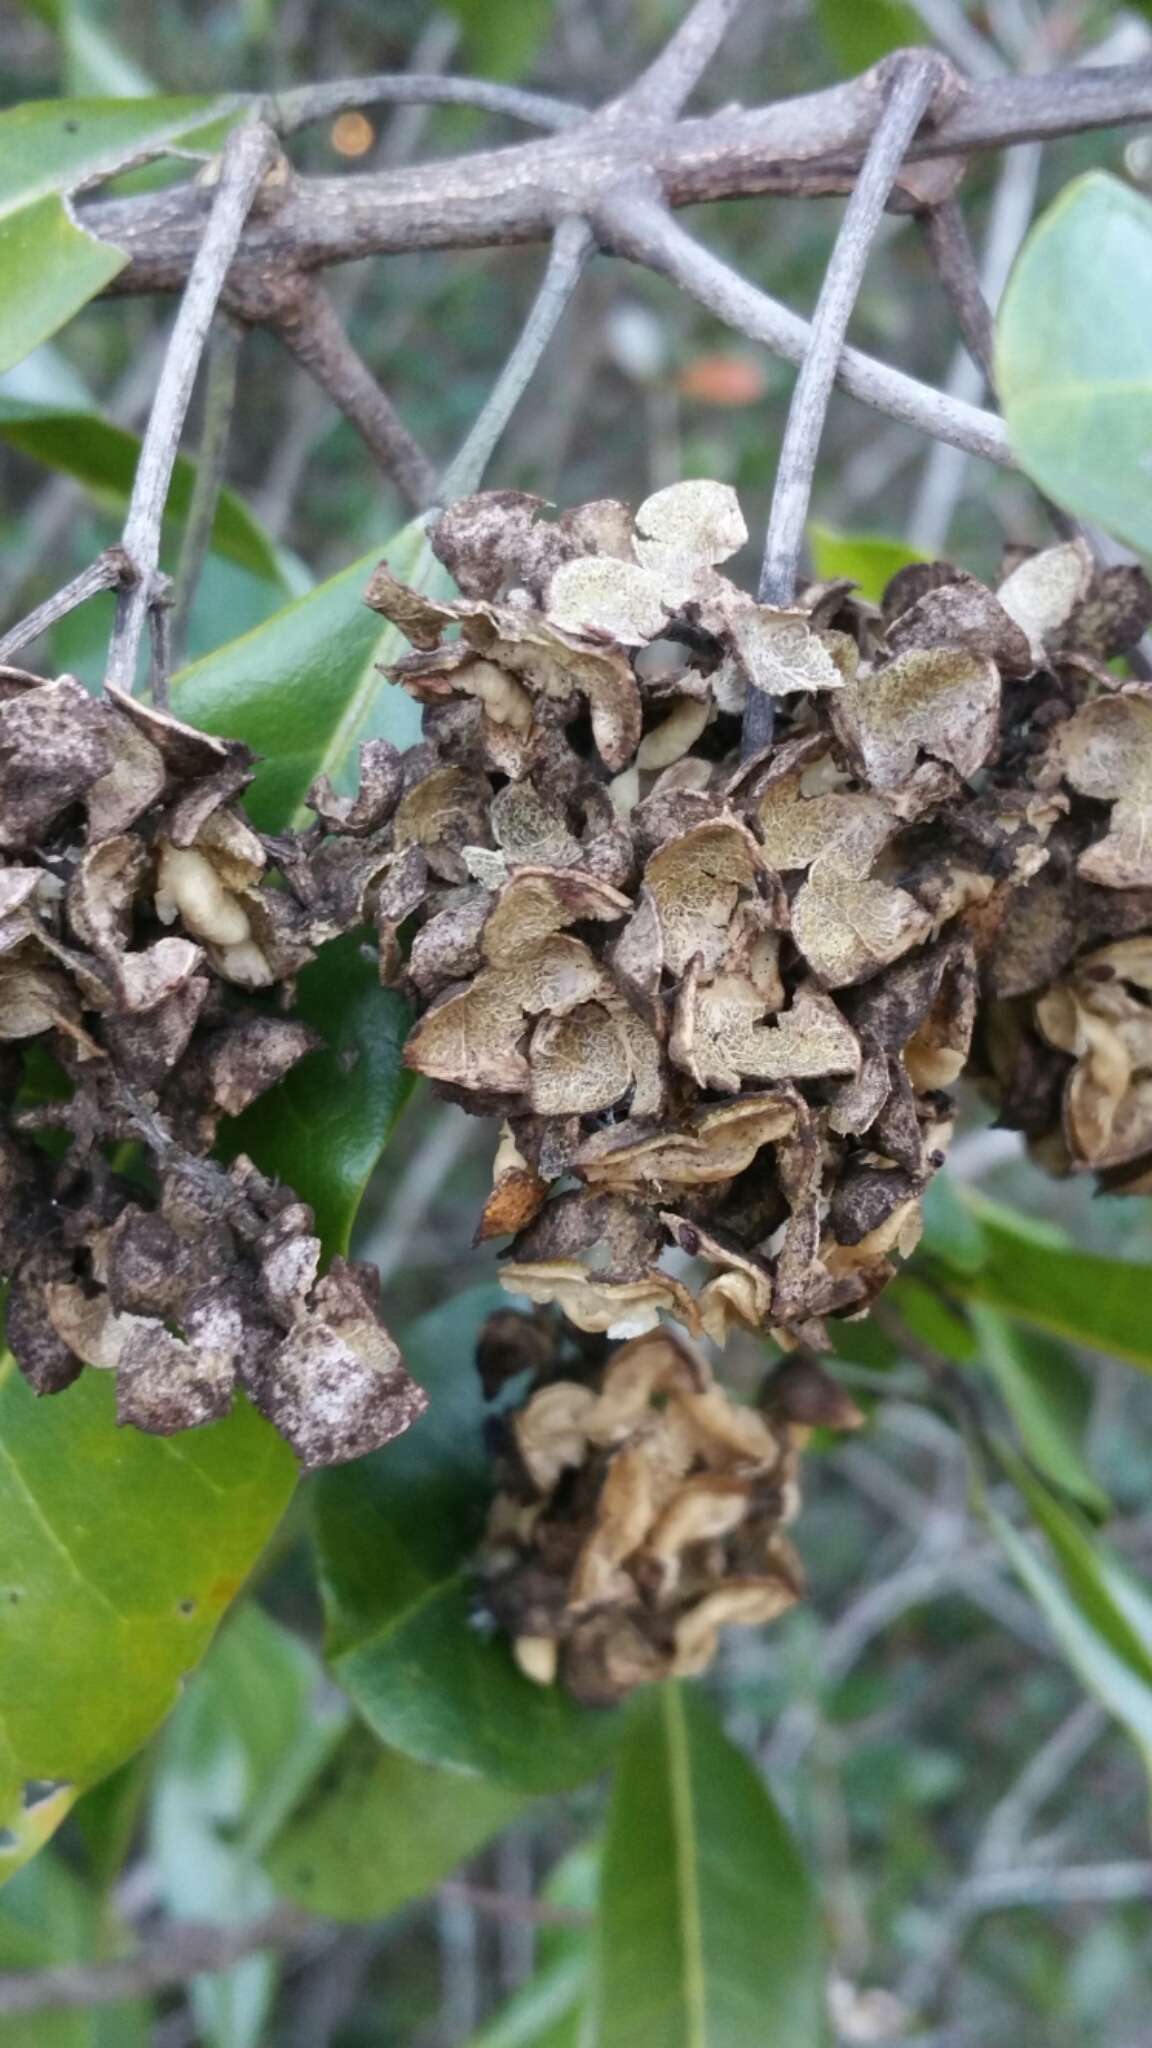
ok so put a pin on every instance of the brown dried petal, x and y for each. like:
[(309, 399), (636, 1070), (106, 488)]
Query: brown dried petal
[(964, 614), (1043, 591), (621, 1307), (133, 781), (164, 1385), (381, 781), (944, 702), (714, 1144), (598, 595), (782, 655), (696, 520), (52, 749), (848, 929), (720, 1036), (696, 881), (1105, 751), (336, 1388)]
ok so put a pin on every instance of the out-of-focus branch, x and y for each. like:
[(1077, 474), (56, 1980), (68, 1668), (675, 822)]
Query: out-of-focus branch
[(661, 91), (634, 223), (571, 247), (245, 160), (308, 324), (172, 1958)]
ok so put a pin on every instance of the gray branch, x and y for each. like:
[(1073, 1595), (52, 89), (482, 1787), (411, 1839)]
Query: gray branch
[(110, 571), (637, 225), (245, 159), (813, 143), (306, 104), (911, 97)]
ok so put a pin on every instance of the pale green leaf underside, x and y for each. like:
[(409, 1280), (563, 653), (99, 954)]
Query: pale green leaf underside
[(1074, 355)]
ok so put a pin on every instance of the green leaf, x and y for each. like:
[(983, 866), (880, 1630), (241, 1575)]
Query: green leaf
[(394, 1532), (322, 1129), (1074, 355), (376, 1829), (860, 32), (103, 458), (48, 1916), (501, 42), (305, 687), (709, 1930), (121, 1552), (249, 1735), (870, 559), (1099, 1615), (50, 267), (1048, 1398), (1084, 1297)]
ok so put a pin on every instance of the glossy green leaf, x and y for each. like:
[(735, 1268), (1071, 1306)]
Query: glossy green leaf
[(1044, 1280), (248, 1736), (121, 1552), (1100, 1617), (1074, 355), (394, 1534), (48, 1916), (1048, 1398), (709, 1932), (305, 688), (860, 32), (376, 1829), (103, 458), (870, 559), (49, 266), (322, 1129)]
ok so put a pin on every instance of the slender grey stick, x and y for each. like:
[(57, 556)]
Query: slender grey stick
[(660, 92), (245, 158), (220, 368), (634, 223), (305, 104), (950, 247), (909, 101), (572, 245), (160, 640), (110, 571)]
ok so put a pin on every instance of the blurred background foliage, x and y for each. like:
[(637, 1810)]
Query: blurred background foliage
[(922, 1722)]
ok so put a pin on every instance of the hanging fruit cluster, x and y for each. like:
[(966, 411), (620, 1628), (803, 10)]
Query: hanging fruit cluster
[(718, 1006)]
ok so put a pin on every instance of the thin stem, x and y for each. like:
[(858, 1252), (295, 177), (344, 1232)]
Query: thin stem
[(182, 1952), (221, 365), (110, 571), (660, 91), (306, 104), (635, 224), (572, 245), (910, 99), (160, 641), (245, 159), (310, 327)]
